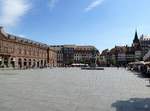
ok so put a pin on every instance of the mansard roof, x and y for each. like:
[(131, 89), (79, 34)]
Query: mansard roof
[(76, 47), (21, 39), (85, 46)]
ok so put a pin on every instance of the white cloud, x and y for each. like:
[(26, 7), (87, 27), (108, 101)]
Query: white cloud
[(53, 3), (12, 11), (93, 5)]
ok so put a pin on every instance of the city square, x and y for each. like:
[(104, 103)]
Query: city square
[(74, 55), (73, 89)]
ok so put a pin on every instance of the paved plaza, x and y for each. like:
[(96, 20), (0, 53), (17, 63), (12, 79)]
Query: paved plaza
[(73, 89)]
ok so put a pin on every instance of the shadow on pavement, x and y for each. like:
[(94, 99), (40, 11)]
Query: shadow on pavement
[(133, 104), (147, 85)]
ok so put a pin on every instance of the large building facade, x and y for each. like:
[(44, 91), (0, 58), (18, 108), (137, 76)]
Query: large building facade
[(21, 53), (69, 54)]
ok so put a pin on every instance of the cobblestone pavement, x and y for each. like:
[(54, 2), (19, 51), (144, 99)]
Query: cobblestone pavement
[(73, 89)]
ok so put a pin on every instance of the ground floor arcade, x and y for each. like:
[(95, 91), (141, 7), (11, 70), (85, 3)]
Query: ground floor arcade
[(20, 62)]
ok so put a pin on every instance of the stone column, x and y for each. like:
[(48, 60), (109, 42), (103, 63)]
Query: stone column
[(35, 63), (9, 62), (2, 61), (31, 63), (16, 63)]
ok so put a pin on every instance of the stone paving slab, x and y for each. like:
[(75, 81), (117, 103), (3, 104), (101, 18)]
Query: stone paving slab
[(73, 89)]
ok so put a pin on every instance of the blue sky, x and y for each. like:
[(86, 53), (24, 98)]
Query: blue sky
[(103, 23)]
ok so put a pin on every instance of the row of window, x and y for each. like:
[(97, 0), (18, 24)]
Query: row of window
[(8, 47)]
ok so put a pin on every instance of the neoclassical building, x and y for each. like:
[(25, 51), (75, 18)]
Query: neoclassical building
[(69, 54), (52, 57), (19, 52)]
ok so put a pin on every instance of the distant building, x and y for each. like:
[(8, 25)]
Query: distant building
[(52, 57), (104, 58), (118, 55), (145, 43), (69, 54), (59, 54), (130, 54), (86, 54), (121, 55)]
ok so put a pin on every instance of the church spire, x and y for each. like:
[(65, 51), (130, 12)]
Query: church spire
[(136, 40)]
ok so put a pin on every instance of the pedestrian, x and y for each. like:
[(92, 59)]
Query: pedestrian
[(118, 66)]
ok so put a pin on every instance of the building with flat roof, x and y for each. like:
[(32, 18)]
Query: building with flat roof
[(69, 54)]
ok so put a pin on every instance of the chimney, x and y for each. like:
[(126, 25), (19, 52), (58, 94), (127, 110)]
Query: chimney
[(2, 31)]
